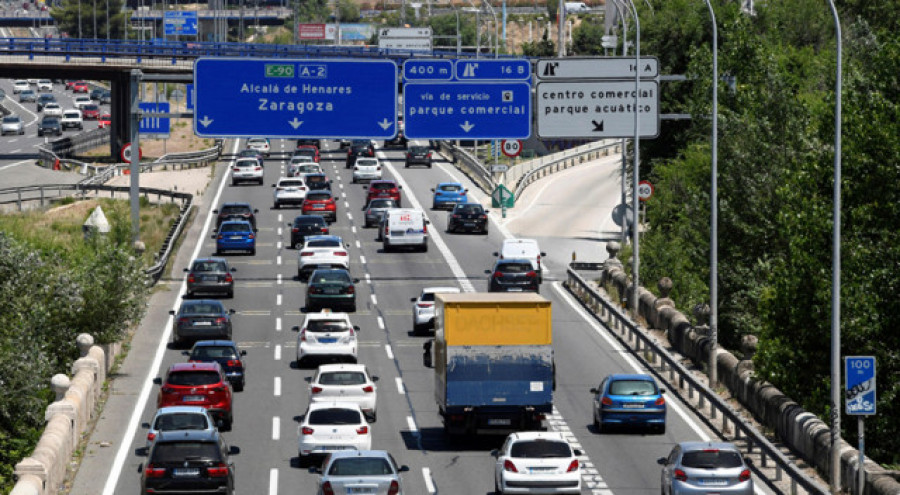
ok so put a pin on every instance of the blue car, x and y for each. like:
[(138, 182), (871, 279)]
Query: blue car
[(236, 236), (629, 400), (448, 194)]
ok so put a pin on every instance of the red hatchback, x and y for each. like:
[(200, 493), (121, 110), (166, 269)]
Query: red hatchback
[(90, 112), (386, 189), (197, 384), (105, 121), (80, 87), (320, 203), (308, 150)]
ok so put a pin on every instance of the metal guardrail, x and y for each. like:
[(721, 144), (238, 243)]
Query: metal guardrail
[(522, 175), (613, 316), (469, 165)]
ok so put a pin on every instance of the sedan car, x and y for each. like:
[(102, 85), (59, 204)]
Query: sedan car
[(345, 383), (423, 307), (332, 426), (27, 95), (224, 352), (366, 169), (448, 194), (259, 144), (20, 85), (360, 471), (330, 288), (322, 251), (197, 384), (512, 275), (236, 211), (317, 181), (418, 155), (304, 226), (383, 189), (12, 124), (289, 191), (236, 236), (705, 467), (375, 210), (52, 109), (210, 275), (49, 126), (537, 462), (468, 217), (179, 418), (629, 400), (201, 319), (320, 203), (326, 335)]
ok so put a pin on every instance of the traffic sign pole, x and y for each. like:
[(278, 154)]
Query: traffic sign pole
[(860, 400)]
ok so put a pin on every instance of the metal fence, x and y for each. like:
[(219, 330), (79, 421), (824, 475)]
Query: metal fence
[(520, 176)]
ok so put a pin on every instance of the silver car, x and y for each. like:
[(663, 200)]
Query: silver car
[(179, 418), (12, 124), (360, 471), (705, 467), (375, 210)]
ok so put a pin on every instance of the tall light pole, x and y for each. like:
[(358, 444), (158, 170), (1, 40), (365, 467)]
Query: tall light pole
[(94, 15), (79, 20), (714, 210), (621, 8), (635, 304), (107, 20), (561, 30)]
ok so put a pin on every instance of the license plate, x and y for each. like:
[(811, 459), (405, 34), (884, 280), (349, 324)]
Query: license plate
[(541, 469), (515, 289), (354, 491), (499, 422), (318, 207), (632, 406), (469, 224), (327, 340), (193, 398), (713, 482), (202, 323), (236, 238), (210, 278), (186, 472), (332, 291)]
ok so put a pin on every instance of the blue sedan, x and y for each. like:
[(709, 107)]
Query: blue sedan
[(236, 236), (448, 195), (627, 400)]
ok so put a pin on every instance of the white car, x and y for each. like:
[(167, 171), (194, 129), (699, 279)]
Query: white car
[(71, 118), (366, 169), (327, 335), (259, 144), (330, 427), (525, 249), (345, 383), (304, 166), (423, 307), (537, 462), (322, 251), (247, 170), (20, 85), (289, 191), (80, 101), (52, 110), (172, 418), (45, 85)]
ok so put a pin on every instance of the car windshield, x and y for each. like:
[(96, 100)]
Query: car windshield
[(334, 416), (181, 421), (540, 448), (383, 203), (342, 378), (235, 227), (711, 459), (209, 266), (331, 278), (192, 378), (360, 466), (10, 120), (214, 352), (318, 196), (182, 451), (451, 188), (200, 309), (632, 387), (514, 267), (327, 326), (383, 186), (329, 243)]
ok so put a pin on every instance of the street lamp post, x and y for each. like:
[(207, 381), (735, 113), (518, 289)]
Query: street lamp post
[(635, 304), (621, 9), (107, 20), (79, 20), (714, 210), (94, 15)]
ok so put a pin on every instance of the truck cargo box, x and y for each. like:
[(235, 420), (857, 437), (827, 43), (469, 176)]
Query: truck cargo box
[(485, 319)]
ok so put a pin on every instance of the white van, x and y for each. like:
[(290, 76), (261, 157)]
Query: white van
[(404, 227), (577, 7), (523, 249)]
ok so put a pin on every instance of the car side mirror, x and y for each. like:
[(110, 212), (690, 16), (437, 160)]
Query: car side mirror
[(427, 222), (662, 391), (273, 185), (145, 426), (213, 236), (185, 353), (487, 211), (404, 468), (488, 272), (231, 311), (289, 224), (187, 270), (172, 312), (595, 391), (356, 327), (661, 461), (315, 470), (496, 254), (413, 299), (432, 189), (255, 230), (243, 353), (140, 468), (543, 254), (748, 460), (234, 268), (232, 450), (157, 381), (355, 280), (141, 452), (399, 186), (578, 452), (295, 329), (215, 211), (375, 378), (308, 379), (255, 210), (495, 453)]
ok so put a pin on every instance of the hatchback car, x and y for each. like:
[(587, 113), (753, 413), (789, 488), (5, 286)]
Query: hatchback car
[(320, 203), (289, 191), (27, 96), (317, 181), (210, 275), (357, 149), (322, 251), (625, 400), (383, 189), (252, 153), (43, 99), (236, 211), (345, 383), (80, 102), (188, 462), (236, 236), (308, 150), (201, 319), (259, 144), (45, 85), (423, 307), (332, 426), (360, 471), (90, 112), (197, 384), (80, 87), (512, 275), (331, 288), (49, 126), (376, 209), (12, 124), (304, 226), (247, 170), (468, 217), (95, 93), (224, 352), (178, 418), (537, 462), (326, 335), (299, 168), (705, 467), (448, 194), (366, 169), (418, 155), (104, 121)]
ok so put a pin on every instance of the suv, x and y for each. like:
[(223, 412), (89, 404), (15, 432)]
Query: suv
[(512, 275), (72, 118), (289, 191), (188, 461), (304, 226), (418, 155), (383, 189), (317, 181), (359, 148), (49, 126), (224, 352), (197, 384), (259, 144), (523, 248), (247, 170), (308, 150), (178, 418), (236, 211), (210, 275)]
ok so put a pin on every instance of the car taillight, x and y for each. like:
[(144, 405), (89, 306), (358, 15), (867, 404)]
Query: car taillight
[(191, 278), (303, 335), (386, 230), (152, 471), (234, 363), (531, 274), (257, 168), (424, 228), (509, 466), (219, 471), (167, 390), (497, 274), (307, 253), (229, 278), (483, 217), (183, 321), (221, 320), (326, 488), (351, 290), (454, 216), (362, 430), (220, 236), (395, 488), (680, 475), (409, 155), (539, 260), (368, 389), (428, 155), (306, 430), (660, 402), (324, 230), (316, 390), (606, 401), (236, 169), (340, 253), (295, 230), (425, 304), (251, 236), (151, 436), (315, 290), (744, 476), (573, 466)]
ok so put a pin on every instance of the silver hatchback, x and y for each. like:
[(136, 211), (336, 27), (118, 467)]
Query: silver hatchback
[(705, 467), (360, 471)]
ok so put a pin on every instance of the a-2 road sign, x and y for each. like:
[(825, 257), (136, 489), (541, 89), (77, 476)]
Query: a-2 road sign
[(859, 396)]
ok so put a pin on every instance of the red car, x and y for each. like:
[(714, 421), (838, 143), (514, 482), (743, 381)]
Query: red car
[(383, 189), (80, 87), (90, 112), (308, 150), (320, 203), (104, 121), (197, 384), (70, 83)]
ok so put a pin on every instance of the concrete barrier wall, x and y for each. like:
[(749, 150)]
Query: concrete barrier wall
[(68, 418)]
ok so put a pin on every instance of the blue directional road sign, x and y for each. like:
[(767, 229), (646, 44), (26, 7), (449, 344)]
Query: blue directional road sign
[(493, 70), (180, 22), (428, 70), (859, 396), (467, 110), (154, 125), (283, 98)]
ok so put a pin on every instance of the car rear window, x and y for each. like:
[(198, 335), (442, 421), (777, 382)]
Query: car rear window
[(366, 162), (209, 266), (200, 308), (418, 150), (316, 178), (10, 120), (309, 168), (305, 152), (331, 278), (181, 421), (318, 196), (247, 163), (335, 416), (360, 466), (540, 448), (183, 451), (234, 209), (632, 387), (383, 203), (469, 209), (451, 188), (514, 267), (382, 186), (324, 243), (194, 377), (428, 296), (214, 352), (309, 220), (327, 326), (342, 378), (711, 459), (291, 183), (234, 227)]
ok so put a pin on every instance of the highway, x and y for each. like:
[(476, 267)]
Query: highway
[(269, 301)]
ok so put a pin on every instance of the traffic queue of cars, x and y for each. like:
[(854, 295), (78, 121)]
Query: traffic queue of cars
[(53, 118)]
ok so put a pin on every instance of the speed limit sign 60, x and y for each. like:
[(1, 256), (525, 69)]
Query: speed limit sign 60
[(645, 190), (511, 147)]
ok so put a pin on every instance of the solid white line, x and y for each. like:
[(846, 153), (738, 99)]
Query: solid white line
[(276, 428), (278, 260), (278, 324), (16, 164), (429, 483), (273, 481), (400, 389), (277, 387), (412, 425), (374, 300), (362, 259), (278, 300), (278, 353), (389, 351), (381, 323), (278, 279), (125, 444)]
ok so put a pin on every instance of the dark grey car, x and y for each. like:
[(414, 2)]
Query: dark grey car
[(201, 319), (188, 462), (512, 275), (210, 276), (375, 210), (418, 155)]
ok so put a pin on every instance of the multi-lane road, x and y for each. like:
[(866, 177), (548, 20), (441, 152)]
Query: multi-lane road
[(566, 212)]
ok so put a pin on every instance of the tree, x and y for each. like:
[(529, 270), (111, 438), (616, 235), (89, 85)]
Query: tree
[(542, 48), (445, 25), (587, 37), (67, 15), (348, 11)]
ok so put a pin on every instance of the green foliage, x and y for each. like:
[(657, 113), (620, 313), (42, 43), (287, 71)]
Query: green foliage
[(587, 37), (542, 48), (348, 11), (313, 11), (445, 25), (68, 12)]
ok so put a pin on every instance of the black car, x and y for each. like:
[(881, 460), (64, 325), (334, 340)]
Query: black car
[(236, 211), (308, 142), (359, 148), (49, 126), (399, 141), (306, 225), (201, 319), (331, 288), (192, 461), (224, 352), (468, 217), (512, 275), (317, 181), (43, 99), (252, 153), (210, 275), (418, 155)]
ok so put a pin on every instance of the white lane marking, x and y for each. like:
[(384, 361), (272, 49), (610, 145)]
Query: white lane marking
[(279, 221), (412, 426), (279, 231), (374, 300), (278, 300), (273, 481), (346, 204), (389, 351), (349, 216), (368, 279), (358, 244), (278, 245), (341, 186), (381, 323), (400, 389), (278, 352), (16, 150), (278, 324), (429, 483), (276, 428), (125, 444), (278, 260), (278, 279), (277, 387), (353, 229), (362, 259), (16, 164)]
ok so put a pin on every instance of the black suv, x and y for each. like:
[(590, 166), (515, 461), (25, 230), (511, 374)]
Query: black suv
[(49, 126), (187, 462), (512, 275), (43, 99), (236, 211), (224, 352), (399, 141), (304, 225), (418, 155), (317, 182), (359, 148)]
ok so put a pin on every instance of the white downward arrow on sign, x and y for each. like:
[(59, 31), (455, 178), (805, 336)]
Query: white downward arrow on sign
[(295, 123), (206, 121), (467, 126), (385, 123)]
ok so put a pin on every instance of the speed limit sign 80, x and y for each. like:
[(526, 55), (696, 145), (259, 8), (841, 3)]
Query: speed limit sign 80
[(511, 147)]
